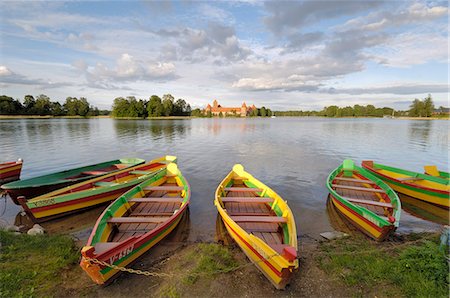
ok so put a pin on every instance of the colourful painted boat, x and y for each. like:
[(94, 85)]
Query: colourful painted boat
[(261, 223), (40, 185), (433, 171), (369, 203), (10, 171), (135, 222), (431, 189), (91, 192)]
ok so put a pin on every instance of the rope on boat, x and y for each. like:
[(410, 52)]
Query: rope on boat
[(157, 274)]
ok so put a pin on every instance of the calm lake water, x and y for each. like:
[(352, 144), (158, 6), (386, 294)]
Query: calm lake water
[(291, 155)]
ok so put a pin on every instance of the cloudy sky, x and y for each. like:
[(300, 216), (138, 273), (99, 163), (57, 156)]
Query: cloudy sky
[(284, 55)]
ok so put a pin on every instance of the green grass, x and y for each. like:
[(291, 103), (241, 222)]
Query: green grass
[(31, 265), (209, 259), (415, 268)]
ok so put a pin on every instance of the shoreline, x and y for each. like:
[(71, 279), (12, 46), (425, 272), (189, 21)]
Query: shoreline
[(342, 267), (7, 117)]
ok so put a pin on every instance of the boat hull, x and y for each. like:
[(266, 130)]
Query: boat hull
[(87, 194), (123, 250), (101, 274), (440, 197), (363, 224), (37, 186), (10, 172), (272, 249), (278, 276)]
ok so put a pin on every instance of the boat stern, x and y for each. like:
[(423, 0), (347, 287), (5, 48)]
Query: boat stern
[(92, 269)]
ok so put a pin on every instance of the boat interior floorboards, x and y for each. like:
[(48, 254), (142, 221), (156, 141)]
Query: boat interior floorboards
[(147, 209), (361, 195), (271, 233)]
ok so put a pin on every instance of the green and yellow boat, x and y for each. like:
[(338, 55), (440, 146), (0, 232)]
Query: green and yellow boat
[(134, 223), (429, 187), (261, 223), (33, 187), (369, 203), (92, 192)]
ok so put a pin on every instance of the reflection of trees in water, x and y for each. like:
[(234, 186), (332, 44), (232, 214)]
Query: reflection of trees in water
[(167, 130), (37, 131), (419, 132), (77, 128), (157, 129)]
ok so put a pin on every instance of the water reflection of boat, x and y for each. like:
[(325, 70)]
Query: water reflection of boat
[(425, 210), (337, 221)]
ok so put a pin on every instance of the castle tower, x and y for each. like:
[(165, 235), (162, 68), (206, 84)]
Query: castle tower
[(215, 104)]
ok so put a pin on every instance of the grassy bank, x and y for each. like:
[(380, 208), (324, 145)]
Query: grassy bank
[(31, 265), (415, 267), (6, 117)]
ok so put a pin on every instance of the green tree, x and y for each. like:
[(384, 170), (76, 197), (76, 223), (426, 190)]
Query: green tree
[(155, 107), (370, 110), (120, 107), (42, 105), (71, 106), (10, 106), (179, 107), (57, 109), (167, 103), (28, 104), (416, 108), (197, 113), (428, 106), (208, 114), (263, 112), (331, 111), (82, 106)]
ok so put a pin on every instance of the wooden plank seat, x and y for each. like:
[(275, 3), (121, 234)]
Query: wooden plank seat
[(164, 188), (271, 219), (354, 180), (243, 189), (152, 214), (409, 179), (157, 200), (246, 200), (357, 188), (139, 172), (369, 202), (268, 213), (119, 220), (104, 246)]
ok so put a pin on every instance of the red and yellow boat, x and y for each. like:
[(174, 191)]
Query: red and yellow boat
[(261, 223), (135, 222), (431, 187), (10, 171), (91, 192), (369, 203)]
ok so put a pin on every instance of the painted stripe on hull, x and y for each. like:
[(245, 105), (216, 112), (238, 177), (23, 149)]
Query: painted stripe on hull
[(425, 195), (61, 208), (278, 278), (108, 273), (362, 223)]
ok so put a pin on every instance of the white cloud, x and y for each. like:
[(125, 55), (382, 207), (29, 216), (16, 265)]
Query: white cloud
[(4, 71)]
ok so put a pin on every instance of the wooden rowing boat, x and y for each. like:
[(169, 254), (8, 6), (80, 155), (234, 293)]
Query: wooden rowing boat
[(431, 189), (260, 222), (91, 192), (369, 203), (40, 185), (135, 222), (10, 171)]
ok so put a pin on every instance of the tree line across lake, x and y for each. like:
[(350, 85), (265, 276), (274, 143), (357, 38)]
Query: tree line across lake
[(130, 107), (43, 106), (418, 108)]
